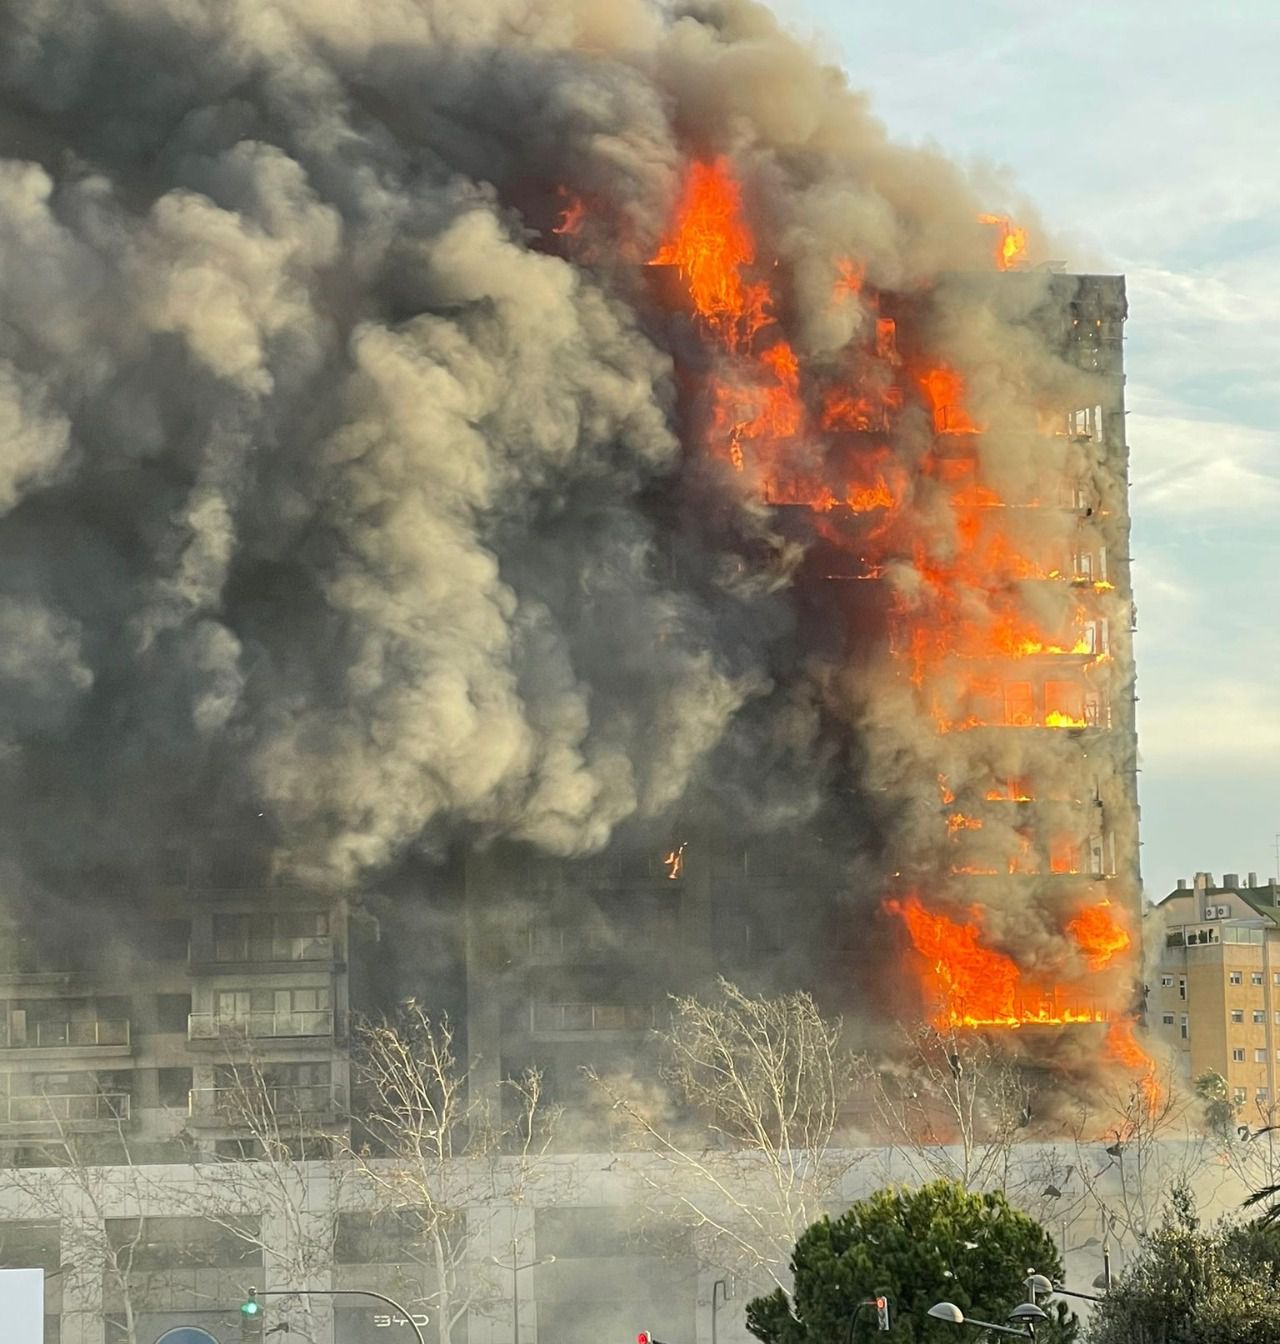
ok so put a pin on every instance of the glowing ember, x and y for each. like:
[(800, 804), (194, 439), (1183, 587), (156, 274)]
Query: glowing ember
[(957, 821), (1100, 936), (1011, 245)]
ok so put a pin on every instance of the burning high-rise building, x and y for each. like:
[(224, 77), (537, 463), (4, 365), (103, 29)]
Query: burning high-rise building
[(554, 483)]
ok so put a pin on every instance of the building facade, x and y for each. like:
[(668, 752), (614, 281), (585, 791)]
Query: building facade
[(1214, 985)]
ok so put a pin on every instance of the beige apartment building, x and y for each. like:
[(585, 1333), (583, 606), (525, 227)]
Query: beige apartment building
[(1214, 985)]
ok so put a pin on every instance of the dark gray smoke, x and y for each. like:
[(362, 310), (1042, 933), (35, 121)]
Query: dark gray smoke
[(343, 494)]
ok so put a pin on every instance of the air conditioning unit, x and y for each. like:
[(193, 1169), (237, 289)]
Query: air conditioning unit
[(1223, 911), (1210, 911)]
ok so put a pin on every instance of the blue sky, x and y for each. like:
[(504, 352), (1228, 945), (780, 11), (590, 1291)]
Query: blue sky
[(1148, 137)]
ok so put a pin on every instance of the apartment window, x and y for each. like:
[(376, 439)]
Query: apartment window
[(1182, 986), (172, 1011), (1259, 1056), (174, 1087), (1277, 1018), (1166, 982), (275, 1012), (297, 936), (1236, 978), (1238, 1055), (1255, 977), (1262, 1094), (1167, 1019), (1186, 1028), (1259, 1017), (1237, 1014), (1238, 1095), (180, 1243), (1275, 977)]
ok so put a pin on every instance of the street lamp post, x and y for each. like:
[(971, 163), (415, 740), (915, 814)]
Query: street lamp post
[(255, 1293), (515, 1267), (1027, 1315), (1040, 1285), (719, 1288)]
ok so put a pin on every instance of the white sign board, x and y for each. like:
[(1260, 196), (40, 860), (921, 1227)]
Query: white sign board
[(22, 1305)]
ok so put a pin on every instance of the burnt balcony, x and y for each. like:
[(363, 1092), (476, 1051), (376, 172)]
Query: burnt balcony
[(266, 953), (102, 1036), (82, 1112), (288, 1105), (316, 1023)]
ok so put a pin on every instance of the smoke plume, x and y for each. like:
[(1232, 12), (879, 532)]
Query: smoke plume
[(359, 475)]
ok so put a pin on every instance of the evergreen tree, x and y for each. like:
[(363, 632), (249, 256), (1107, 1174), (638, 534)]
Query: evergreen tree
[(1190, 1285), (938, 1243)]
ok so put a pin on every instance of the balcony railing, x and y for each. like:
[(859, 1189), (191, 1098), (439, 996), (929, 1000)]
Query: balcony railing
[(558, 1017), (235, 1105), (68, 1109), (64, 1035), (306, 1022), (317, 947)]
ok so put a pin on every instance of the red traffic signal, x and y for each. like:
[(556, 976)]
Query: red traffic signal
[(882, 1313), (644, 1337)]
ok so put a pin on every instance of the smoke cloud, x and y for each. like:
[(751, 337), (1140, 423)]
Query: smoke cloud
[(349, 484)]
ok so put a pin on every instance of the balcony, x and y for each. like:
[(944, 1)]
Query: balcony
[(233, 1107), (92, 1110), (261, 1026), (106, 1036), (562, 1019), (265, 952)]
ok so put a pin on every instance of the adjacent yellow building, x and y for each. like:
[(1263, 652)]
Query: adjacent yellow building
[(1214, 984)]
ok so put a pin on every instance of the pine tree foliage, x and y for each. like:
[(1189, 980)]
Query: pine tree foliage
[(936, 1243), (1192, 1285)]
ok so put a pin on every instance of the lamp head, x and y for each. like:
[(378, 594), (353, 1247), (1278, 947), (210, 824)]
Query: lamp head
[(946, 1311), (1027, 1311), (1039, 1284)]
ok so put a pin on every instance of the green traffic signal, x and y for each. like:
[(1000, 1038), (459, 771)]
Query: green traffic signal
[(250, 1307)]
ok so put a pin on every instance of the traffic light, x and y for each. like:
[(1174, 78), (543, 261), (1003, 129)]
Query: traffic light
[(647, 1337), (251, 1316), (882, 1313)]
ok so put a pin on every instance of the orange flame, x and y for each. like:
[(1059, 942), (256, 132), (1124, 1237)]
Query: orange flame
[(1100, 936), (1011, 244), (710, 243), (1122, 1046), (673, 860), (572, 216), (944, 389), (974, 986)]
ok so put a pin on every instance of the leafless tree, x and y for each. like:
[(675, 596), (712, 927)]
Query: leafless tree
[(951, 1105), (444, 1157), (1132, 1145), (75, 1187), (740, 1148), (280, 1196)]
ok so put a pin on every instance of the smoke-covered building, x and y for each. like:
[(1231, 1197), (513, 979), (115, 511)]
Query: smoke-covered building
[(528, 510)]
